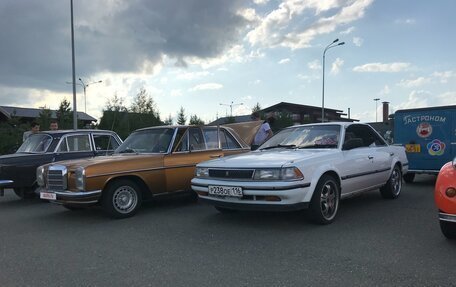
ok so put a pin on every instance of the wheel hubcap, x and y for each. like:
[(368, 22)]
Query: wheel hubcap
[(329, 200), (124, 199), (396, 182)]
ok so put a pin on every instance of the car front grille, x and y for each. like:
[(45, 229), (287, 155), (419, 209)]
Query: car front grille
[(231, 173), (57, 178)]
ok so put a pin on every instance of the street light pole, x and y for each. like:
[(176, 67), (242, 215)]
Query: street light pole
[(75, 111), (376, 101), (84, 86), (332, 45), (231, 107)]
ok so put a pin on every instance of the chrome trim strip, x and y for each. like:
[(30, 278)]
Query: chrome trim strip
[(76, 194), (5, 182), (143, 170), (424, 171), (447, 217), (364, 173), (303, 185)]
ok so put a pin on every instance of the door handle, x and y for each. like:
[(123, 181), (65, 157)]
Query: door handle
[(370, 157), (215, 155), (391, 153)]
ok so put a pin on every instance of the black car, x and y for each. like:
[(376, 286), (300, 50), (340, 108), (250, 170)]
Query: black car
[(18, 170)]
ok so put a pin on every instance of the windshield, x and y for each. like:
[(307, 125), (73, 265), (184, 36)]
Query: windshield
[(147, 141), (35, 143), (311, 136)]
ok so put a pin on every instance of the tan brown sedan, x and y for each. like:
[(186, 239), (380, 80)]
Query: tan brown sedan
[(150, 162)]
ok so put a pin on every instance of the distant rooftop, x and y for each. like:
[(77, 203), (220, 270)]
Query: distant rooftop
[(32, 113)]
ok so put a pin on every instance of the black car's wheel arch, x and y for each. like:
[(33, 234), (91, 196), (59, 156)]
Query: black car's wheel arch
[(145, 191)]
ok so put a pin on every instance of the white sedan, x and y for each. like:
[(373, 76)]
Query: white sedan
[(308, 166)]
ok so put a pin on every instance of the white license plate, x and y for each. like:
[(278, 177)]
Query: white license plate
[(48, 195), (220, 190)]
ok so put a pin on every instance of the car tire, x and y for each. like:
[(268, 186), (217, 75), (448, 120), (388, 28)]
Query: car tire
[(224, 210), (392, 188), (121, 199), (25, 192), (325, 200), (409, 177), (448, 229)]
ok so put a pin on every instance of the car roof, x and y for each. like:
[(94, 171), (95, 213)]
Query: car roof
[(62, 132), (344, 124)]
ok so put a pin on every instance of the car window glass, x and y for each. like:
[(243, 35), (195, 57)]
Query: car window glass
[(181, 141), (155, 140), (78, 143), (227, 140), (368, 137), (36, 143), (105, 142), (196, 139), (310, 136), (211, 138)]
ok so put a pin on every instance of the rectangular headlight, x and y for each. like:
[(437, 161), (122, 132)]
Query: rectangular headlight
[(288, 173), (202, 172), (80, 178)]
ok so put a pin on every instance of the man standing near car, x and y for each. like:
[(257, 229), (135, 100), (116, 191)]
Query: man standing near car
[(53, 126), (264, 133), (34, 128)]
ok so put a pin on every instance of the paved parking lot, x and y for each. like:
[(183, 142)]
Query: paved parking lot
[(373, 242)]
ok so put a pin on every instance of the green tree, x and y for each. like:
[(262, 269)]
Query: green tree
[(256, 108), (181, 117), (169, 121), (115, 104), (44, 118), (282, 120), (195, 120), (143, 104), (65, 115)]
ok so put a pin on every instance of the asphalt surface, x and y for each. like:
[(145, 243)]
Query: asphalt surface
[(373, 242)]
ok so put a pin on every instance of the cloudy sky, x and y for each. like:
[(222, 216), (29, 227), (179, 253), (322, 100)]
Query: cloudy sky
[(206, 54)]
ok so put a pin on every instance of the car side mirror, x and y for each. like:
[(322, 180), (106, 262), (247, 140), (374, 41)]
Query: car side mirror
[(352, 143)]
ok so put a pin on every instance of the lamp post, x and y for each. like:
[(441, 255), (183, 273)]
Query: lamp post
[(75, 111), (376, 101), (84, 86), (231, 107), (332, 45)]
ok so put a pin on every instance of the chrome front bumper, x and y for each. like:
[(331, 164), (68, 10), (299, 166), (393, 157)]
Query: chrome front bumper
[(447, 217), (75, 197)]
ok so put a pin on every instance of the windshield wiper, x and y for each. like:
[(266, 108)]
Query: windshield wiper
[(318, 146), (280, 146)]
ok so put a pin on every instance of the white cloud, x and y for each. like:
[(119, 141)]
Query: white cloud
[(192, 75), (443, 77), (207, 86), (260, 2), (256, 82), (416, 99), (414, 83), (380, 67), (307, 78), (348, 31), (448, 98), (282, 26), (385, 91), (284, 61), (176, 93), (314, 65), (358, 41), (408, 21), (336, 66)]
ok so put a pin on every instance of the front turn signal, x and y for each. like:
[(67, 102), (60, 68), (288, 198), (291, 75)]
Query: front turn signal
[(450, 192)]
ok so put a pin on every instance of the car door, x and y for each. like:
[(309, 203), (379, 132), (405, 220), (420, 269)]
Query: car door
[(74, 146), (191, 146), (381, 153), (356, 168), (104, 143)]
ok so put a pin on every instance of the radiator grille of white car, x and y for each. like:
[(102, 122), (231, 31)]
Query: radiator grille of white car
[(231, 173)]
